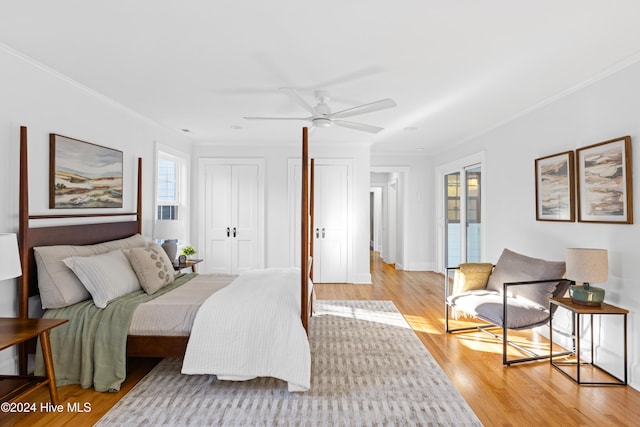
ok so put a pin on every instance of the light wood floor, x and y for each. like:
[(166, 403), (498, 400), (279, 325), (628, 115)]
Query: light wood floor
[(533, 394)]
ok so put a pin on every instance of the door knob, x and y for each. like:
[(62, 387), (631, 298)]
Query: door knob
[(234, 232), (228, 232), (323, 233)]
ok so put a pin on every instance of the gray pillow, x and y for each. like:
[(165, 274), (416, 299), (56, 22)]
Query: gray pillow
[(514, 267), (152, 266)]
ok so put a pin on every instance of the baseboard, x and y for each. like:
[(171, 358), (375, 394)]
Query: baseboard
[(362, 279), (418, 266)]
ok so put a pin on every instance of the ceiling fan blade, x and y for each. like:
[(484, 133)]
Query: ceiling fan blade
[(357, 126), (279, 118), (366, 108), (296, 97), (345, 78)]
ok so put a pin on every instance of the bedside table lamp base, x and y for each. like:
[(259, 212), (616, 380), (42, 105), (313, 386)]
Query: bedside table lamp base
[(586, 295), (170, 246)]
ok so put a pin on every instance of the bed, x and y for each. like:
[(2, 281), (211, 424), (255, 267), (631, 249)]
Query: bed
[(127, 227)]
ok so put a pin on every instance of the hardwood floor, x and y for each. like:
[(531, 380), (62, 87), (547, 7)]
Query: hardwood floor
[(533, 394)]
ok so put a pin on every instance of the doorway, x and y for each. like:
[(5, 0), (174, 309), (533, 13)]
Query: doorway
[(461, 212), (387, 187)]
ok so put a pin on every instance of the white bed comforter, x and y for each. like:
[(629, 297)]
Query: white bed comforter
[(252, 328)]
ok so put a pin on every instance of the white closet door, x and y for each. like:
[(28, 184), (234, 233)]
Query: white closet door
[(330, 224), (244, 211), (232, 217), (218, 208)]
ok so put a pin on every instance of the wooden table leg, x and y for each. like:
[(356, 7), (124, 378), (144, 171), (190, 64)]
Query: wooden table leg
[(48, 366)]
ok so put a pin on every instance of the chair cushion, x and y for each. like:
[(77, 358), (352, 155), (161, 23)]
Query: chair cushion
[(487, 305), (514, 267), (470, 276)]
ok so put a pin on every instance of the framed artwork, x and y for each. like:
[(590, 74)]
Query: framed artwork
[(604, 182), (83, 175), (555, 183)]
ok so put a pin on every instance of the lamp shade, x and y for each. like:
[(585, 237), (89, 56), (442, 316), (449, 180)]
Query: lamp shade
[(587, 265), (168, 229), (10, 265)]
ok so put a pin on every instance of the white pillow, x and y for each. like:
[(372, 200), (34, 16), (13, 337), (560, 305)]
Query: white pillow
[(59, 287), (106, 276)]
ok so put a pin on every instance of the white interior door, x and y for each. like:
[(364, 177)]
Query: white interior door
[(331, 254), (218, 208), (244, 233), (233, 206), (330, 224), (392, 221)]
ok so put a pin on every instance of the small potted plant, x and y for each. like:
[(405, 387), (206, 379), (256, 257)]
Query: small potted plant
[(188, 251)]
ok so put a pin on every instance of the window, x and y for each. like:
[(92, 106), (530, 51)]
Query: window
[(473, 195), (171, 187), (168, 201), (453, 198)]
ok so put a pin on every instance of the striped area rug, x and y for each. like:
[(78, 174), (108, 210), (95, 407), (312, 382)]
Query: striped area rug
[(368, 369)]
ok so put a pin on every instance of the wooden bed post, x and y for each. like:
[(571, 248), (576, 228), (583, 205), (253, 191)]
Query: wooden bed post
[(23, 227), (304, 236), (139, 196), (311, 212)]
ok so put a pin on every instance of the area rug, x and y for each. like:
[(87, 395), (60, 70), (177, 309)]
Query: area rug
[(368, 369)]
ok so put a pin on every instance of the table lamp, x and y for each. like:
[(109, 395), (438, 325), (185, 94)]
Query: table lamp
[(170, 231), (587, 266), (10, 266)]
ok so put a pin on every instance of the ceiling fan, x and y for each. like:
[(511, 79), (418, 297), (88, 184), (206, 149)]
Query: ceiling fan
[(322, 117)]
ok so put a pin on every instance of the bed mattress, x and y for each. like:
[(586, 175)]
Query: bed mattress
[(172, 314)]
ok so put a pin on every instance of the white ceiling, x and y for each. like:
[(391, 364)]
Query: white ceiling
[(454, 68)]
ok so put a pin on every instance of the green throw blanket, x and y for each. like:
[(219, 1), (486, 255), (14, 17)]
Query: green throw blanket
[(91, 349)]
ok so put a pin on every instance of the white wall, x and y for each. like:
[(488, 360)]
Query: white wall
[(46, 103), (277, 226), (605, 110)]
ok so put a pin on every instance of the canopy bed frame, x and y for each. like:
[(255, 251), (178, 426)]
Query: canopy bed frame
[(86, 234)]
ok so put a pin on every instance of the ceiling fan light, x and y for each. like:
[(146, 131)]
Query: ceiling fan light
[(321, 122)]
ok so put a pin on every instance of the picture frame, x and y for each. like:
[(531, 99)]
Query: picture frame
[(605, 186), (83, 175), (555, 187)]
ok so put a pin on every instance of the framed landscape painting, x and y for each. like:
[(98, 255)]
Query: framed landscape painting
[(605, 182), (83, 175), (555, 183)]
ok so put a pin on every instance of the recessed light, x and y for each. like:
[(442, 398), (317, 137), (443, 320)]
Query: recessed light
[(236, 127), (186, 130)]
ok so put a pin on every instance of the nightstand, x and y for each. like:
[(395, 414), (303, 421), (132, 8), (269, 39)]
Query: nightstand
[(190, 263), (14, 331), (577, 311)]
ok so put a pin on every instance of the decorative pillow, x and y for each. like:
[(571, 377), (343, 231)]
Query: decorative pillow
[(59, 287), (106, 276), (152, 266), (471, 276), (514, 267)]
